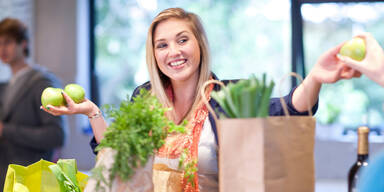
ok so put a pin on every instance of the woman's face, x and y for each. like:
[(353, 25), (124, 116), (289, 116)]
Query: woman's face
[(176, 50)]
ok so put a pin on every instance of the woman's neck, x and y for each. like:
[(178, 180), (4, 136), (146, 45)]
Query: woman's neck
[(184, 90), (183, 97)]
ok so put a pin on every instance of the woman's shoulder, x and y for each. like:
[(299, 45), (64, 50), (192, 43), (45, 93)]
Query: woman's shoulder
[(227, 81), (224, 81), (146, 85)]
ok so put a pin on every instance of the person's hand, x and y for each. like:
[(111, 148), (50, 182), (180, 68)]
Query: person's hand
[(330, 69), (373, 63), (86, 107)]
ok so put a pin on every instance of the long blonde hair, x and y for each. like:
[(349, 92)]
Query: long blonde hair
[(160, 81)]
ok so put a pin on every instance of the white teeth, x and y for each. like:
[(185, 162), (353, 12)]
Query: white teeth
[(177, 63)]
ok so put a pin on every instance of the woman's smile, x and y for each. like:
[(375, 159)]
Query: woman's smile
[(177, 64)]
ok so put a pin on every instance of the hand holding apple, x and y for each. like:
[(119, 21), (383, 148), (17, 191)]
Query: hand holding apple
[(71, 100), (53, 96), (328, 69), (373, 64), (86, 107), (354, 48)]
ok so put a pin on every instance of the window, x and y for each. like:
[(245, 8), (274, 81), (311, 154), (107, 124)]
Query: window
[(245, 37), (347, 104)]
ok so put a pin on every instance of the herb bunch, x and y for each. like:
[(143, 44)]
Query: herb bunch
[(138, 128), (245, 99), (189, 167)]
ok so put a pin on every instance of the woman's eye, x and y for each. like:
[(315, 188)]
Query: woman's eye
[(161, 45), (183, 40)]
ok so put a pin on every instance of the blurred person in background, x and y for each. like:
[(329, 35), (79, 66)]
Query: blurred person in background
[(372, 66), (27, 134)]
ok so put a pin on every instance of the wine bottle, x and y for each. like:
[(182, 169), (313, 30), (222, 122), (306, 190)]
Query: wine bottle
[(362, 158)]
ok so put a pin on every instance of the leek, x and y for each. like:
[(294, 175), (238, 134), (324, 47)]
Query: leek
[(65, 172), (245, 99)]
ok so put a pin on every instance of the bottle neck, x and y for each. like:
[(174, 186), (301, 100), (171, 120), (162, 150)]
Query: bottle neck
[(362, 143), (362, 158)]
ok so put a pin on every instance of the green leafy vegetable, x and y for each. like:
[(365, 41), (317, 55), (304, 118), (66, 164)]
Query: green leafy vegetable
[(189, 167), (65, 171), (137, 130), (246, 98)]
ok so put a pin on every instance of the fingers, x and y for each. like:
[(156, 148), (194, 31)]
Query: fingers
[(331, 76), (51, 110), (349, 73), (335, 50), (365, 35), (57, 110), (350, 62), (45, 109), (68, 99), (357, 74), (60, 110), (338, 74), (372, 46)]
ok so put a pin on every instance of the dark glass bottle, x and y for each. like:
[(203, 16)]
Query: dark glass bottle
[(362, 158)]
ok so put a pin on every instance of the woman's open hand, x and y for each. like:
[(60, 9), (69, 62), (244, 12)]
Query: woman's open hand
[(86, 107), (329, 69)]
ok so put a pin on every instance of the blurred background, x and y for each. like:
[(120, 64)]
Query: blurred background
[(100, 44)]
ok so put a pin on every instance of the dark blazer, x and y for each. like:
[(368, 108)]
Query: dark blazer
[(275, 107), (29, 133)]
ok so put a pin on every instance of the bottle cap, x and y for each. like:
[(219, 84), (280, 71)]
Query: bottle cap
[(362, 130)]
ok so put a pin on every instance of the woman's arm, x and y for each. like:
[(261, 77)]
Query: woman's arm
[(328, 69), (306, 94)]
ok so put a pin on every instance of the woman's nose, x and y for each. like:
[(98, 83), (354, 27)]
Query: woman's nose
[(174, 50)]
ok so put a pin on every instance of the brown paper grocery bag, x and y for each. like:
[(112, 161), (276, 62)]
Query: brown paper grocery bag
[(271, 154), (166, 179)]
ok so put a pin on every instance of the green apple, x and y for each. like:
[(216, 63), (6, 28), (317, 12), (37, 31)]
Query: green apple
[(354, 48), (75, 91), (52, 96)]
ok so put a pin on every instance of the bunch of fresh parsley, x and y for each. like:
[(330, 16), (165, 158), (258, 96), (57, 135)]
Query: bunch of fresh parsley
[(138, 128)]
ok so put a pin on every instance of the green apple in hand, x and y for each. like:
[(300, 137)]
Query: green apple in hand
[(75, 91), (354, 48), (52, 96)]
